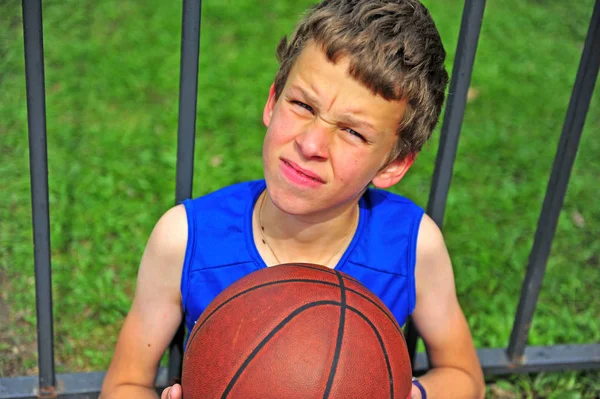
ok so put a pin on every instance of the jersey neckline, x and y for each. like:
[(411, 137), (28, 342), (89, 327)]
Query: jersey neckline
[(249, 235)]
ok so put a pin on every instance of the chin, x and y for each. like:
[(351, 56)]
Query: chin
[(290, 203)]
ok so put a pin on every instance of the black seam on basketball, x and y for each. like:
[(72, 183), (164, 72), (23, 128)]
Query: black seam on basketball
[(347, 277), (385, 354), (340, 337), (266, 339), (385, 312), (195, 331)]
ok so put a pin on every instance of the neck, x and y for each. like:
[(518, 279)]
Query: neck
[(314, 238)]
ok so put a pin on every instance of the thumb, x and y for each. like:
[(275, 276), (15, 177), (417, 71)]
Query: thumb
[(175, 392)]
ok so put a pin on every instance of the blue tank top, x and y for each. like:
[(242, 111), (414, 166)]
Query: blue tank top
[(221, 249)]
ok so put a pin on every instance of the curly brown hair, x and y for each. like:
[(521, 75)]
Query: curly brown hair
[(395, 50)]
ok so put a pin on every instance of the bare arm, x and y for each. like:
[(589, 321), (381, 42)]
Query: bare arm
[(456, 372), (155, 313)]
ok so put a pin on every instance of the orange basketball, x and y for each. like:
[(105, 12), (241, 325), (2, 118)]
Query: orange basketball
[(296, 331)]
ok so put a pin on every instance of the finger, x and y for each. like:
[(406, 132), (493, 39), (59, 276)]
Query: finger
[(165, 393), (176, 392)]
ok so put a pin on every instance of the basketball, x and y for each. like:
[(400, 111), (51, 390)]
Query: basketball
[(296, 331)]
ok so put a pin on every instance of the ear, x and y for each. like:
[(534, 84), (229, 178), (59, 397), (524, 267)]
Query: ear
[(393, 172), (269, 106)]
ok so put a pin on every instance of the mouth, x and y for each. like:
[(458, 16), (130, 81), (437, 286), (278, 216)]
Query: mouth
[(303, 172)]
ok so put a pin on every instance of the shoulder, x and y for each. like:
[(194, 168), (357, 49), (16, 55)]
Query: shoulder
[(393, 214), (387, 221), (227, 203), (431, 241), (170, 232), (433, 269), (221, 210), (163, 256)]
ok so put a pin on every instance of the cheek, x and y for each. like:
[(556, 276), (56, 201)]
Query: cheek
[(282, 128), (352, 169), (349, 168), (275, 138)]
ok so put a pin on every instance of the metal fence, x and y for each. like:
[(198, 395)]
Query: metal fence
[(516, 358)]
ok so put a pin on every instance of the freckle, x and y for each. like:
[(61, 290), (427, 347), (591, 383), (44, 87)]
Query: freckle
[(148, 345)]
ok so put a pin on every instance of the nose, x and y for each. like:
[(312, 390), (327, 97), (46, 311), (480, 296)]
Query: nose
[(314, 141)]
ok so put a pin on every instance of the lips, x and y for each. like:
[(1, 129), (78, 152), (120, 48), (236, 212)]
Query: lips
[(303, 171)]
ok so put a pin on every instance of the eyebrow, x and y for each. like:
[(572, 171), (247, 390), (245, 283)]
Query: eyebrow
[(351, 120), (347, 118), (309, 96)]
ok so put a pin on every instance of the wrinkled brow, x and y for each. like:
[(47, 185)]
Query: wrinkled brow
[(347, 117)]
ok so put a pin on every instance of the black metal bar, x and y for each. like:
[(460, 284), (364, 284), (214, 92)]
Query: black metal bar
[(493, 361), (557, 186), (412, 339), (38, 161), (466, 49), (462, 70), (188, 93)]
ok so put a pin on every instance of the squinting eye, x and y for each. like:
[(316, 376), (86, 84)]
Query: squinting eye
[(356, 134), (305, 106)]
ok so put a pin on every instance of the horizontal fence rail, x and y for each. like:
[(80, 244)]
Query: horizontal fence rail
[(517, 358), (70, 386), (493, 362)]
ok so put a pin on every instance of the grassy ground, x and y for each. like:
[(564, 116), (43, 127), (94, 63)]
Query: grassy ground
[(112, 71)]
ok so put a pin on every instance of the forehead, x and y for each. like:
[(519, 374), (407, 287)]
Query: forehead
[(331, 85)]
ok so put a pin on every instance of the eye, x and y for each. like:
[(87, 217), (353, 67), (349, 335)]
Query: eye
[(356, 134), (303, 105)]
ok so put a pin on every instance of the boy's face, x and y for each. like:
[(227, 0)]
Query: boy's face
[(328, 137)]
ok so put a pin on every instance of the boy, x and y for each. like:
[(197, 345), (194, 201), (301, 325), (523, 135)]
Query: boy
[(359, 90)]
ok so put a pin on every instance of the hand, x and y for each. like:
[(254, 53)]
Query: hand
[(172, 392)]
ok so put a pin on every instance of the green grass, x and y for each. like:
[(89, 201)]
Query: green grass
[(112, 74)]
